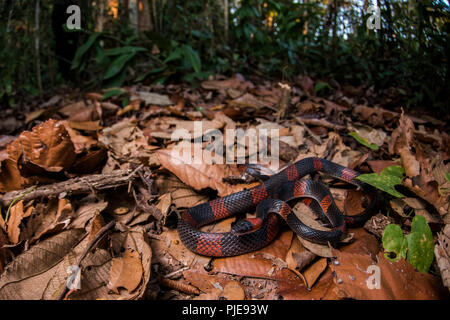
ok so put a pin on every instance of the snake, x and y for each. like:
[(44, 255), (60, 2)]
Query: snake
[(271, 200)]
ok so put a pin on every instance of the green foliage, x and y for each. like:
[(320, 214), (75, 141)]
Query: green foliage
[(278, 39), (416, 247), (364, 141), (394, 242), (112, 92), (386, 180)]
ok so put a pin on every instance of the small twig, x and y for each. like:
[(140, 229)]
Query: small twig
[(176, 272), (316, 138), (322, 123), (88, 248)]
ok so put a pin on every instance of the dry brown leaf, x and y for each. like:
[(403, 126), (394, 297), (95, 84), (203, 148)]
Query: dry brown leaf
[(97, 264), (181, 194), (47, 148), (232, 83), (298, 257), (313, 272), (304, 213), (97, 223), (377, 117), (164, 203), (26, 278), (87, 209), (233, 291), (151, 98), (322, 290), (378, 165), (85, 125), (442, 253), (125, 272), (397, 280), (353, 202), (202, 175), (202, 280), (307, 85), (52, 218), (16, 215), (126, 141), (402, 205), (261, 263)]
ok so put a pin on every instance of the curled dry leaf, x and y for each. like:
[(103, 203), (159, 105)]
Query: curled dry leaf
[(298, 257), (125, 272), (377, 117), (199, 175), (313, 272), (16, 215), (88, 208), (304, 213), (377, 223), (401, 206), (47, 148), (49, 219)]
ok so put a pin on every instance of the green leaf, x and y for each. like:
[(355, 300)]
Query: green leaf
[(320, 85), (83, 49), (154, 71), (192, 57), (386, 180), (118, 64), (447, 176), (124, 50), (364, 141), (174, 55), (420, 244), (112, 92), (394, 241)]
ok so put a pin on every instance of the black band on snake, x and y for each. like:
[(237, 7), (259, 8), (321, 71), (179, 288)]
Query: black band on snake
[(269, 198)]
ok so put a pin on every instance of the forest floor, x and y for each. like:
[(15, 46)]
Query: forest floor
[(90, 193)]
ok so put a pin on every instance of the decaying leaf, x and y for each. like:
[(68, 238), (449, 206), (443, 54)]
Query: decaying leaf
[(357, 276), (27, 276), (200, 175), (126, 272)]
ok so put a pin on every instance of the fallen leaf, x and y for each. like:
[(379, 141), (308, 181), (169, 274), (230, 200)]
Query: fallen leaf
[(313, 272), (233, 291), (201, 175), (125, 272), (397, 280), (27, 276)]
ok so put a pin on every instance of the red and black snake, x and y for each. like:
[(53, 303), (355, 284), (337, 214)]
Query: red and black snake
[(269, 199)]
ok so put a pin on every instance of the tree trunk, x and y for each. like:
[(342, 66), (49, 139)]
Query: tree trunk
[(144, 19), (37, 46)]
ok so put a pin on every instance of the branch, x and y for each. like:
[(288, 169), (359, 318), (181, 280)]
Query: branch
[(78, 185)]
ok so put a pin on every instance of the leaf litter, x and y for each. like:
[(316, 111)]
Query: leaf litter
[(117, 240)]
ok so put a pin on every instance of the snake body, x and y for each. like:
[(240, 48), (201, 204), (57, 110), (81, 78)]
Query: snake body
[(269, 198)]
